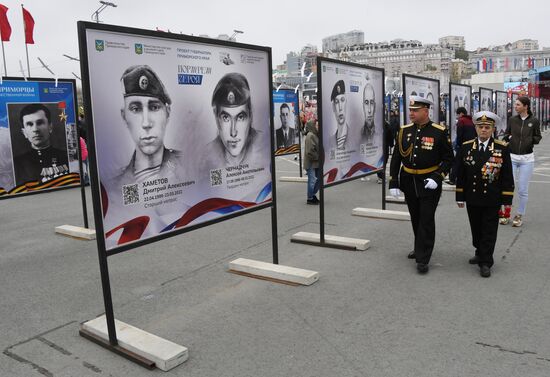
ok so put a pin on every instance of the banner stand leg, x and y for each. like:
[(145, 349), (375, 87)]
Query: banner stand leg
[(118, 350)]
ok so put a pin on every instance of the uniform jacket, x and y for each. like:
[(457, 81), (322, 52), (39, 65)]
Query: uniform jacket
[(421, 152), (41, 165), (484, 179), (522, 134), (280, 138)]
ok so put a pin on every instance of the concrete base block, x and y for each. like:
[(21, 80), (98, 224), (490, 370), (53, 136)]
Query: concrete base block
[(381, 214), (293, 179), (356, 243), (76, 231), (391, 199), (274, 271), (164, 353), (446, 187)]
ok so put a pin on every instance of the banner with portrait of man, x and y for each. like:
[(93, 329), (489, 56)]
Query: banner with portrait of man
[(182, 130), (459, 96), (485, 99), (286, 111), (38, 136), (425, 88), (501, 99), (351, 119)]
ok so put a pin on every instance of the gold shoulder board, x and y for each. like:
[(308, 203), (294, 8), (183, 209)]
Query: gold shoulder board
[(469, 141), (407, 125), (438, 126), (500, 142)]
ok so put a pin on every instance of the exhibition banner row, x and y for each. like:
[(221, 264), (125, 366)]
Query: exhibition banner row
[(38, 136)]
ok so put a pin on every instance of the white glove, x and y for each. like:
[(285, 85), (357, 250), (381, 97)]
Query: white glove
[(430, 184), (395, 192)]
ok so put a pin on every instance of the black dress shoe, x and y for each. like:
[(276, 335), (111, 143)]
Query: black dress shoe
[(412, 255), (422, 268), (485, 271), (474, 260)]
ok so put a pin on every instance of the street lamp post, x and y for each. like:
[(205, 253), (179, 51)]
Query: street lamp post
[(233, 36), (104, 5)]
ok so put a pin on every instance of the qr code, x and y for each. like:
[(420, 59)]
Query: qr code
[(216, 177), (332, 154), (363, 149), (130, 194)]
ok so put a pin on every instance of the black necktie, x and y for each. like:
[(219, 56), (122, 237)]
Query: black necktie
[(482, 148)]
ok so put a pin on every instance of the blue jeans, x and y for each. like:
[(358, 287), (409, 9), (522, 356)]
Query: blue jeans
[(312, 182), (522, 175)]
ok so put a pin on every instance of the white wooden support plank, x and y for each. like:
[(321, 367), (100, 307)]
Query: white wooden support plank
[(274, 271), (293, 179), (164, 353), (446, 187), (76, 231), (381, 214), (357, 243)]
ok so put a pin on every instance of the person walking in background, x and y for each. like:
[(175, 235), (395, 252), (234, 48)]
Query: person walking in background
[(522, 133), (311, 160), (465, 131)]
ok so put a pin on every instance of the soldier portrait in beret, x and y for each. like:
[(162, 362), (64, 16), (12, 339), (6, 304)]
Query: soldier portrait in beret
[(232, 108), (146, 112), (339, 108)]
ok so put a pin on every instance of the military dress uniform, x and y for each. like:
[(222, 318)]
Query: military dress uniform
[(422, 152), (485, 182), (41, 165)]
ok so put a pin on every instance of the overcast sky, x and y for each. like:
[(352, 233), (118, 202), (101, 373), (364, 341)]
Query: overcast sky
[(284, 25)]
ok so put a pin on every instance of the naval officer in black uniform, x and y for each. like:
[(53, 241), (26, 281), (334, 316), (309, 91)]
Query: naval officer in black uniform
[(485, 182), (421, 159)]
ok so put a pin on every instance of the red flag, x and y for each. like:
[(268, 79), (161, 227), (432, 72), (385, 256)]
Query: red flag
[(5, 28), (29, 26)]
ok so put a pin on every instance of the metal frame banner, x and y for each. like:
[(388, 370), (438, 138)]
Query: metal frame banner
[(514, 99), (425, 88), (286, 109), (459, 96), (485, 99), (351, 120), (38, 136), (501, 105), (182, 131)]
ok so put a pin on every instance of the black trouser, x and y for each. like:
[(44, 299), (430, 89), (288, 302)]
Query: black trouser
[(484, 226), (422, 211)]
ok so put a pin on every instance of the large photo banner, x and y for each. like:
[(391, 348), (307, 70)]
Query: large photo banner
[(286, 111), (425, 88), (38, 136), (514, 98), (485, 99), (501, 99), (459, 96), (181, 129), (352, 120)]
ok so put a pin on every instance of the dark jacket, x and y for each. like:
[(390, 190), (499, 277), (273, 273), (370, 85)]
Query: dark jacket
[(522, 134), (484, 179), (425, 152), (465, 130), (311, 148)]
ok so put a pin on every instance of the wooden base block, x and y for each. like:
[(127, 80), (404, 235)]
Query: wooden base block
[(381, 214), (315, 238), (293, 179), (276, 272), (76, 231), (164, 353)]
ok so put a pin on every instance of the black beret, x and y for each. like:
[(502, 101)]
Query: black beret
[(141, 80), (232, 91), (339, 88)]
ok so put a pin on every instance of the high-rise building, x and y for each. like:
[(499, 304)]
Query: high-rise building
[(339, 41), (525, 44), (454, 42)]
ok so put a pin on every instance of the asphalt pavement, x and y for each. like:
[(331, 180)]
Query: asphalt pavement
[(370, 314)]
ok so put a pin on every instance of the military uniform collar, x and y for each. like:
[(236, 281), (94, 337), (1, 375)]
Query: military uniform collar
[(421, 126)]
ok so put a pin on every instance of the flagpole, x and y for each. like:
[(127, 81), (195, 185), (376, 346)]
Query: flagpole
[(4, 57), (26, 47)]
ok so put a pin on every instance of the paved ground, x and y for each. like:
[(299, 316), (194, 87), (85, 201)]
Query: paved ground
[(370, 314)]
